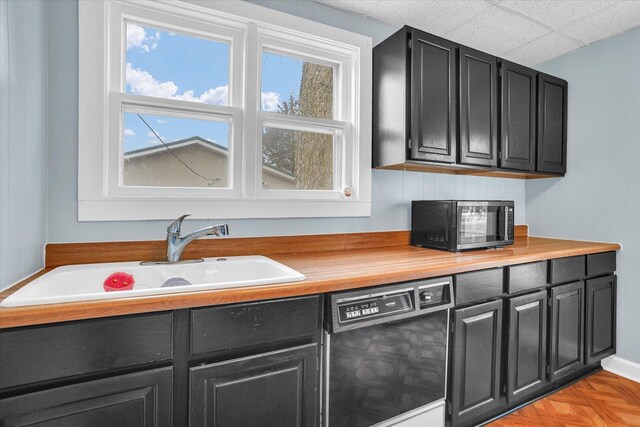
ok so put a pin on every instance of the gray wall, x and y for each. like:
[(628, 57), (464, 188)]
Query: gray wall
[(599, 199), (23, 162), (392, 190)]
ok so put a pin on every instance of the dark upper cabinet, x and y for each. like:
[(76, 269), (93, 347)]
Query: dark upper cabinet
[(478, 143), (477, 343), (441, 107), (518, 117), (552, 124), (433, 98), (566, 332), (527, 345), (276, 389), (142, 399), (600, 324), (414, 100)]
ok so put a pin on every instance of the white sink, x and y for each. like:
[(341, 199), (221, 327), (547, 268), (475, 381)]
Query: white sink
[(85, 282)]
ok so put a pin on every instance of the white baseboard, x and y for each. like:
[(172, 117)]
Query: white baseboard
[(624, 368)]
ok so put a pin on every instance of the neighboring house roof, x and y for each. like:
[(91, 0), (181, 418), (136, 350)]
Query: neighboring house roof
[(197, 140), (175, 144)]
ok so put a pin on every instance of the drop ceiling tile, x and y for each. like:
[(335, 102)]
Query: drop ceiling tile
[(497, 31), (361, 7), (555, 13), (434, 16), (542, 49), (617, 18)]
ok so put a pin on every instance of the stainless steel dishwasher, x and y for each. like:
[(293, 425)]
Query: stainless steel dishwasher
[(385, 355)]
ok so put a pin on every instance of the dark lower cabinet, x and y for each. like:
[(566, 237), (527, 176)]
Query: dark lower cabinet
[(142, 399), (518, 117), (477, 343), (527, 345), (552, 124), (276, 389), (433, 98), (566, 340), (478, 108), (600, 324)]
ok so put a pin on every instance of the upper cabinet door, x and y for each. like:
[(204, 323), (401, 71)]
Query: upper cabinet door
[(518, 129), (552, 124), (433, 98), (478, 108)]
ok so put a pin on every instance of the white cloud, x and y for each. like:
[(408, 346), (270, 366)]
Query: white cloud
[(161, 121), (137, 37), (153, 135), (143, 83), (270, 101), (217, 96), (129, 132)]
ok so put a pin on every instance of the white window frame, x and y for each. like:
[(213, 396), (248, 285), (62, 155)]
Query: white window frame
[(247, 28)]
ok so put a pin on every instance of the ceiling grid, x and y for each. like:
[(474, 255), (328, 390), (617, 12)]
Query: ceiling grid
[(524, 31)]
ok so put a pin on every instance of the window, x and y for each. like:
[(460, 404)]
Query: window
[(213, 109)]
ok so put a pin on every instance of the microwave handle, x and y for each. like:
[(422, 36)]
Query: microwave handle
[(506, 222)]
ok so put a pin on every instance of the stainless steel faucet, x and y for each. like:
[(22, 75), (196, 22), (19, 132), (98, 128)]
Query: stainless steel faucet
[(177, 243)]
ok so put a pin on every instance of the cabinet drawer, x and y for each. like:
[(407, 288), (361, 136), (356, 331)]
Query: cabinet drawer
[(34, 354), (564, 270), (140, 399), (599, 264), (241, 325), (526, 276), (478, 285)]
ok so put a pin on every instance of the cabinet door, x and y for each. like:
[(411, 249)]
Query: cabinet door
[(601, 318), (433, 98), (518, 121), (527, 363), (475, 373), (272, 389), (478, 108), (552, 124), (566, 352), (141, 399)]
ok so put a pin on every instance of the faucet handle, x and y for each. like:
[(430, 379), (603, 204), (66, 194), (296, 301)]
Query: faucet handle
[(174, 228)]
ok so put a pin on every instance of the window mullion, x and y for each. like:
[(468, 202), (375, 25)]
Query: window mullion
[(252, 128)]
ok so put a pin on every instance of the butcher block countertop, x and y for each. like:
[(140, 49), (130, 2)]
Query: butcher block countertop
[(330, 263)]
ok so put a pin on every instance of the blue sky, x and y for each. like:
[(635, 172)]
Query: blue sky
[(171, 65)]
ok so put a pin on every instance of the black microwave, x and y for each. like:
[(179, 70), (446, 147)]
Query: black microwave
[(457, 225)]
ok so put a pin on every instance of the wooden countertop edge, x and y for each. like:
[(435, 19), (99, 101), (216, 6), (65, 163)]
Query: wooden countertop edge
[(421, 268)]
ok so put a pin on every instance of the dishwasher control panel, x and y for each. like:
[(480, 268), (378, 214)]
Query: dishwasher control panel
[(434, 294), (373, 306), (361, 308)]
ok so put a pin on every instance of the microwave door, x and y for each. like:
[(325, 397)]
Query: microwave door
[(479, 225)]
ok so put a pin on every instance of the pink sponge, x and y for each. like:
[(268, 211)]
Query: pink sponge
[(119, 282)]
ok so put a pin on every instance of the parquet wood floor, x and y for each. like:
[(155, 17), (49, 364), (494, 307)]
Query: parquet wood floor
[(602, 399)]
